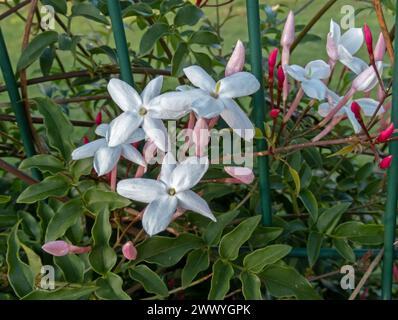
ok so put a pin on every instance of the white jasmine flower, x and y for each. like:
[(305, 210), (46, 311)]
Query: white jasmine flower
[(172, 190), (107, 157), (216, 98), (368, 107), (310, 77)]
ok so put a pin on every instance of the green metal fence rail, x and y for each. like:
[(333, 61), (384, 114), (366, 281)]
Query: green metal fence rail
[(392, 189), (126, 73), (16, 103), (260, 108)]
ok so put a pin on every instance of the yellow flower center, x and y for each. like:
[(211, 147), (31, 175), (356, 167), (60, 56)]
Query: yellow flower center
[(171, 191)]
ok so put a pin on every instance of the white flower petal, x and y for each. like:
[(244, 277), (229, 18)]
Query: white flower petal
[(158, 214), (142, 190), (122, 127), (367, 79), (352, 40), (169, 163), (124, 95), (240, 84), (207, 107), (156, 131), (200, 78), (102, 129), (295, 71), (369, 106), (105, 159), (188, 173), (189, 200), (317, 69), (88, 150), (237, 119), (324, 109), (136, 136), (353, 63), (172, 105), (314, 88), (354, 122), (152, 90), (335, 31), (132, 154)]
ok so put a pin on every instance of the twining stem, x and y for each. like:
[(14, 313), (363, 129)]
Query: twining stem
[(384, 29), (14, 9), (114, 178)]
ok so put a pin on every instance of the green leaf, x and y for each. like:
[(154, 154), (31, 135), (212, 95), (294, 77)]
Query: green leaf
[(251, 286), (264, 235), (4, 199), (166, 251), (20, 275), (138, 9), (35, 48), (33, 259), (343, 151), (232, 241), (188, 15), (65, 217), (108, 51), (46, 60), (80, 168), (60, 294), (30, 225), (179, 59), (314, 245), (57, 124), (344, 249), (53, 186), (72, 267), (110, 288), (257, 260), (331, 216), (285, 281), (89, 11), (366, 234), (197, 261), (43, 162), (96, 199), (213, 231), (45, 213), (102, 257), (296, 179), (58, 5), (202, 37), (309, 201), (152, 35), (222, 274), (149, 280)]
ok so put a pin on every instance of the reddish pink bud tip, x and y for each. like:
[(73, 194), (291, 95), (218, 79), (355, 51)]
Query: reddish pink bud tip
[(386, 134), (356, 110), (198, 3), (272, 62), (385, 163), (85, 140), (129, 251), (274, 113), (57, 248), (368, 39), (98, 118), (281, 77)]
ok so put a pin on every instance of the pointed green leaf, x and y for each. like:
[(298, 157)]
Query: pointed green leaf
[(197, 261), (149, 280), (222, 275), (251, 286), (110, 288), (258, 259)]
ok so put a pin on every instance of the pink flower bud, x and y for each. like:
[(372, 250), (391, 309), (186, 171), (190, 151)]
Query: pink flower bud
[(386, 134), (368, 39), (287, 37), (198, 3), (98, 118), (243, 174), (57, 248), (274, 113), (129, 251), (201, 136), (85, 140), (331, 48), (281, 77), (380, 48), (79, 250), (271, 63), (356, 110), (385, 163), (237, 60)]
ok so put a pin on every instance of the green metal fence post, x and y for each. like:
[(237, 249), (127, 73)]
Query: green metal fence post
[(119, 35), (260, 109), (16, 103), (392, 190)]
